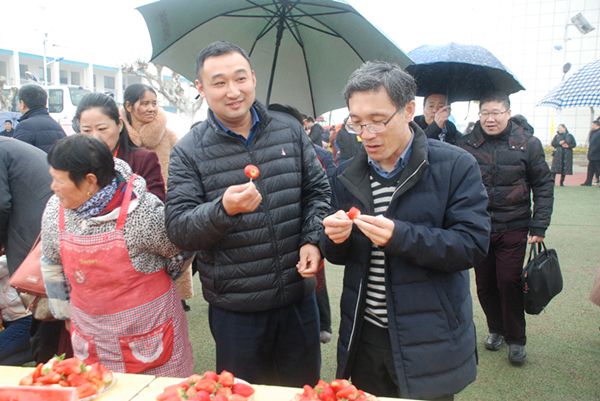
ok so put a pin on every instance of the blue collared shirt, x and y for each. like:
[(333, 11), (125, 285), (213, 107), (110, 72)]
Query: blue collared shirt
[(400, 164), (247, 141)]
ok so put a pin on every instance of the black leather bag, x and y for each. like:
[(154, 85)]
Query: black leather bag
[(541, 278)]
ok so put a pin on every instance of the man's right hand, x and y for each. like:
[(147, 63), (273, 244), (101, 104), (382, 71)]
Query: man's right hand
[(441, 116), (338, 227), (243, 198)]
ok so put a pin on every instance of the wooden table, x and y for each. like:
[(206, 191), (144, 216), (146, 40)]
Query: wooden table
[(125, 388), (133, 387)]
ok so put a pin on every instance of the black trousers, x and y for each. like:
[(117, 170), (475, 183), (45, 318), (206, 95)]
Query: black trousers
[(373, 370), (277, 347), (593, 168), (498, 279)]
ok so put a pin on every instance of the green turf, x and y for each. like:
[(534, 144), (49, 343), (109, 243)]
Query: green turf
[(563, 342)]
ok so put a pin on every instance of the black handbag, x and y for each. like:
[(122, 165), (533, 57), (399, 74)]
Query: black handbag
[(541, 278)]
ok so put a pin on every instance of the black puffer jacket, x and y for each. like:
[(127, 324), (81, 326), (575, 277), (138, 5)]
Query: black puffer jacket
[(512, 167), (247, 262), (37, 128)]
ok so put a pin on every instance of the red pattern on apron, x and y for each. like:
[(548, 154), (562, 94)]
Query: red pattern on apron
[(129, 321)]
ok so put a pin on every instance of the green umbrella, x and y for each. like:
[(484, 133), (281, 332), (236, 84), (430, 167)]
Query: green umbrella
[(302, 50)]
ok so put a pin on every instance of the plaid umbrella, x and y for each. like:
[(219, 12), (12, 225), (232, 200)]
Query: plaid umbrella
[(579, 90)]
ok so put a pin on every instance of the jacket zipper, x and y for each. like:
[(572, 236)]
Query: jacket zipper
[(355, 316), (408, 178)]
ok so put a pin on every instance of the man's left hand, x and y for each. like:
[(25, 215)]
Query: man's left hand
[(378, 229), (534, 239), (310, 258)]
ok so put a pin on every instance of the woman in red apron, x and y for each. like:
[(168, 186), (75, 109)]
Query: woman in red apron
[(106, 261)]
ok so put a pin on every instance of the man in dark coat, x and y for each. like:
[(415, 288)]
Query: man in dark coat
[(36, 127), (514, 171), (593, 154), (24, 191), (347, 144), (314, 131), (434, 120), (255, 241), (406, 312), (8, 129)]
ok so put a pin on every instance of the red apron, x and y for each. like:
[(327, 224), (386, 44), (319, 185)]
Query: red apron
[(129, 321)]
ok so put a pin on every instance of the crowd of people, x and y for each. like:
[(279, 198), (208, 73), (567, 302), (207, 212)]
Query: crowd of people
[(123, 209)]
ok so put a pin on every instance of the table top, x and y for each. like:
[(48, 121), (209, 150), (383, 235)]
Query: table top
[(134, 387)]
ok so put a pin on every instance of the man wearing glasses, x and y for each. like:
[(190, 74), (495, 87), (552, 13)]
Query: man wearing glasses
[(513, 168), (407, 321)]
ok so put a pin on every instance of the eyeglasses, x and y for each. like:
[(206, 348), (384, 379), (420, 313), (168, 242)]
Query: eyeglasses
[(373, 128), (493, 114)]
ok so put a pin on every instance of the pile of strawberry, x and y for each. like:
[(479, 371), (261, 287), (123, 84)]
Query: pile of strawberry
[(337, 390), (88, 380), (208, 386)]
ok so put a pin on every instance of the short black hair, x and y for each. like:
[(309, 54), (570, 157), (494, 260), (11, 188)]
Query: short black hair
[(34, 96), (495, 97), (8, 121), (80, 155), (216, 49)]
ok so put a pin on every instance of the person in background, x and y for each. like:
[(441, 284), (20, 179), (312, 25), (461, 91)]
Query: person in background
[(314, 131), (98, 115), (146, 125), (406, 312), (593, 153), (514, 171), (326, 160), (107, 263), (24, 191), (348, 145), (36, 127), (562, 156), (8, 129), (434, 120), (256, 240)]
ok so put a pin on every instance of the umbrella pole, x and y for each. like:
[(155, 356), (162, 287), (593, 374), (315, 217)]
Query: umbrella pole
[(274, 65)]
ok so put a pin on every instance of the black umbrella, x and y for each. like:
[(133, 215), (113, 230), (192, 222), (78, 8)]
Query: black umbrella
[(302, 50), (462, 72)]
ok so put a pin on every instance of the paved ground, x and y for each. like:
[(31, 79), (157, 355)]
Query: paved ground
[(579, 170)]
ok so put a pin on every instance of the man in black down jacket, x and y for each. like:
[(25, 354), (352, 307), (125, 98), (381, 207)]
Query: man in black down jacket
[(256, 241), (36, 127), (513, 168), (593, 154), (406, 311)]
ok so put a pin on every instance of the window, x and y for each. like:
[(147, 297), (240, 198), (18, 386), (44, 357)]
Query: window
[(64, 77), (109, 82), (55, 100), (75, 78)]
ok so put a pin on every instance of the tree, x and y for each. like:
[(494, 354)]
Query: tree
[(173, 89), (6, 95)]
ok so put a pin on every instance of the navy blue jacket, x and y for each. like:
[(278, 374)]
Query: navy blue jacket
[(37, 128), (441, 230)]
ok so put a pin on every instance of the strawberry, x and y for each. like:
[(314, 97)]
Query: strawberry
[(243, 389), (251, 171), (206, 385), (226, 378), (209, 374), (86, 390), (353, 213)]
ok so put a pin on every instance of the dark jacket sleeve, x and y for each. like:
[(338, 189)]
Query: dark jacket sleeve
[(316, 194), (25, 135), (192, 223), (571, 141), (5, 203), (555, 141), (542, 186), (464, 239), (145, 163)]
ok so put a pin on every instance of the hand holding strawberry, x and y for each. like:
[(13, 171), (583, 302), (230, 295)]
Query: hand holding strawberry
[(251, 171)]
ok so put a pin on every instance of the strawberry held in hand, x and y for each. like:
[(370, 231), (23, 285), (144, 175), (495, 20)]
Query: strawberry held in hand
[(252, 172), (353, 213)]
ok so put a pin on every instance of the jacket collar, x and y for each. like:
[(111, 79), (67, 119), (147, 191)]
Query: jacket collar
[(355, 177), (261, 110), (517, 136), (33, 112)]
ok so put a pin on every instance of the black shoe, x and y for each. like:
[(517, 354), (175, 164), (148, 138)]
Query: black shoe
[(186, 307), (516, 354), (585, 184), (493, 342)]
